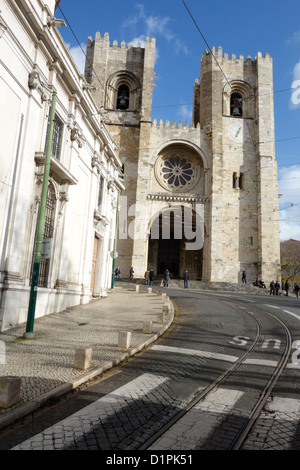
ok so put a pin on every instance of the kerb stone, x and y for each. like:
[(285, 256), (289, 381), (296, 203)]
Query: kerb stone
[(124, 339), (83, 358), (9, 391)]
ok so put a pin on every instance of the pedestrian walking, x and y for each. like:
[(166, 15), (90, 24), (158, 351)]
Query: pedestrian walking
[(166, 278), (118, 273), (296, 289), (131, 273), (151, 277), (272, 288), (277, 286), (186, 279), (287, 287), (244, 281)]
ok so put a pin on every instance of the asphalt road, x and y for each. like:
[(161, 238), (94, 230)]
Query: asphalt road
[(121, 411)]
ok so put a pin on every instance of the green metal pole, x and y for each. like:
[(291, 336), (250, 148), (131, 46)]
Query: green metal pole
[(40, 226), (115, 245)]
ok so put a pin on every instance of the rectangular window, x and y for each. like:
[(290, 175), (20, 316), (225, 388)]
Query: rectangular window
[(58, 127), (242, 181), (57, 137), (48, 234), (100, 194)]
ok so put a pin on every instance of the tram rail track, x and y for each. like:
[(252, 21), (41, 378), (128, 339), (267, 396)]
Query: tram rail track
[(265, 393)]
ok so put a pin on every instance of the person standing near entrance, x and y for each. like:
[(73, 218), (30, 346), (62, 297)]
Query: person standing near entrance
[(151, 277), (186, 279), (166, 278)]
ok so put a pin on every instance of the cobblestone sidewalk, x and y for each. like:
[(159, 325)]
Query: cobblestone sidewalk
[(46, 363)]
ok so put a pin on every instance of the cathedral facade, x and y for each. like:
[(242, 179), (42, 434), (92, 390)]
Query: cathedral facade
[(202, 197)]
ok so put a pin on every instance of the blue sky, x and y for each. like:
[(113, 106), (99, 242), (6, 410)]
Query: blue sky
[(241, 28)]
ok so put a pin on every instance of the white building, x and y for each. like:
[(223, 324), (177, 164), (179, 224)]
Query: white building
[(85, 172)]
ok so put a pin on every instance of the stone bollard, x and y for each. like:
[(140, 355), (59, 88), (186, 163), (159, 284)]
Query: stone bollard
[(163, 295), (149, 290), (137, 288), (166, 308), (83, 358), (124, 339), (147, 327), (10, 388), (161, 317)]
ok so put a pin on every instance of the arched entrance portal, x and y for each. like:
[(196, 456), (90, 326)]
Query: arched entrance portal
[(171, 246)]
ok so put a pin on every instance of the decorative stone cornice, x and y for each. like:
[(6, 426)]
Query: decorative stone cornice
[(57, 170), (176, 198), (77, 135), (100, 221), (11, 277), (97, 163), (88, 86), (35, 83), (51, 21)]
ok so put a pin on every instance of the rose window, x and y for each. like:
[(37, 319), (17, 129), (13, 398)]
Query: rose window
[(176, 172)]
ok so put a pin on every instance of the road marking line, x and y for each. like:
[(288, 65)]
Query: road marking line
[(193, 429), (284, 405), (82, 422), (272, 306), (293, 314), (222, 357), (261, 362), (194, 352)]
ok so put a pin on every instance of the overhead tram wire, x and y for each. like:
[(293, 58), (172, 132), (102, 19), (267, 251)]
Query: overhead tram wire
[(278, 91), (213, 55), (171, 105), (190, 104), (249, 97), (210, 49), (98, 79), (71, 29)]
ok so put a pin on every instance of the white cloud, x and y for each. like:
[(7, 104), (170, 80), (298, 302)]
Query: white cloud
[(294, 39), (140, 39), (155, 26), (296, 72), (185, 113), (289, 203), (78, 55)]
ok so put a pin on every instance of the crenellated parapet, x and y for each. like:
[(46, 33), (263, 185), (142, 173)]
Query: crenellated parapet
[(149, 43), (224, 57), (173, 125)]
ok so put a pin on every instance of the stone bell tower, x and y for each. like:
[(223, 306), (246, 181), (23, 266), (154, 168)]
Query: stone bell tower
[(236, 112), (123, 80)]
